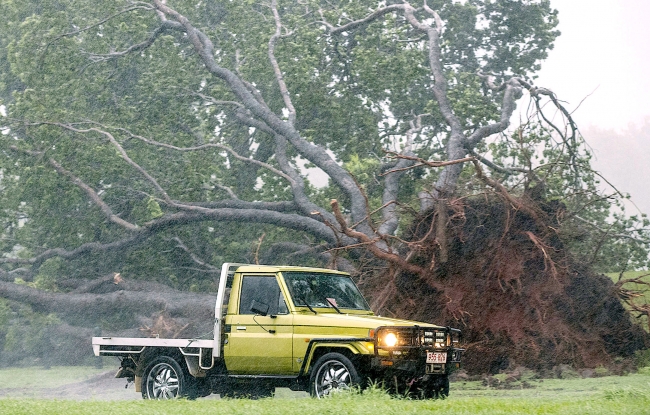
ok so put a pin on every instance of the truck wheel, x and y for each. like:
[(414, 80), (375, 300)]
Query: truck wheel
[(440, 387), (332, 372), (164, 378)]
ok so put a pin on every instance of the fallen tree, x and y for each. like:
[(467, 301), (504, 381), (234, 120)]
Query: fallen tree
[(158, 140), (512, 286)]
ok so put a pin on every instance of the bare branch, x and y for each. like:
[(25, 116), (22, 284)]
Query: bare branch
[(100, 57), (286, 220), (391, 182), (213, 145), (193, 256), (138, 6), (121, 151), (142, 171), (513, 91), (135, 238), (613, 235), (228, 190), (500, 169), (371, 245), (108, 212), (284, 91), (298, 184), (366, 20), (423, 162), (310, 151), (94, 197), (241, 204)]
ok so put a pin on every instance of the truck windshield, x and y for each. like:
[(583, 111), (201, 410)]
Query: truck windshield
[(324, 290)]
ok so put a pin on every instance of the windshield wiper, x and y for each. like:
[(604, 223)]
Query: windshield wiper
[(330, 302), (307, 304)]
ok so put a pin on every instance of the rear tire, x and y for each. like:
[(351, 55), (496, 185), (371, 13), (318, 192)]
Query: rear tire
[(164, 378), (332, 372)]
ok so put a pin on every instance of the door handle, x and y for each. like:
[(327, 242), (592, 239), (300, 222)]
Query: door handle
[(241, 327)]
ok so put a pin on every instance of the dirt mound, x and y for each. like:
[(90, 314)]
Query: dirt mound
[(501, 273)]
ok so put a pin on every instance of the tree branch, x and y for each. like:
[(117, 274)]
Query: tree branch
[(390, 219), (194, 257), (423, 162), (108, 212), (101, 57), (613, 235), (374, 249), (212, 145), (284, 91), (121, 151), (361, 22), (513, 91), (310, 151), (137, 237)]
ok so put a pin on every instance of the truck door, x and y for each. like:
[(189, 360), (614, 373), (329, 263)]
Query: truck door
[(261, 332)]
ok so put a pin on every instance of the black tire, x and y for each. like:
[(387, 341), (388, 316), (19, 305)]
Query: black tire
[(332, 372), (440, 387), (164, 378)]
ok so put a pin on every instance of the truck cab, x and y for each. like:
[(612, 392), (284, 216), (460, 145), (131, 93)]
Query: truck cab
[(304, 328)]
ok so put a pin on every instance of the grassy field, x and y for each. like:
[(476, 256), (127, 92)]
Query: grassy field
[(608, 395)]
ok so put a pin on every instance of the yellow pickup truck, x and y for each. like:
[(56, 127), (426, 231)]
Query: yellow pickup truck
[(308, 329)]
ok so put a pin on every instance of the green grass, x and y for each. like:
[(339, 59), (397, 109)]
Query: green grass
[(627, 395), (623, 401)]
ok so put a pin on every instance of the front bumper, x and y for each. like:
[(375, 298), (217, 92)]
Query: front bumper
[(417, 351)]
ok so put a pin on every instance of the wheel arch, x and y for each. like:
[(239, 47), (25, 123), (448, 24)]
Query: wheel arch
[(317, 348), (150, 353)]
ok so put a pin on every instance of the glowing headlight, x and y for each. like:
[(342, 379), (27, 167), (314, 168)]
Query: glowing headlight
[(390, 339)]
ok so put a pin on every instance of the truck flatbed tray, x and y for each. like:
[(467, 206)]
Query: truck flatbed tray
[(121, 345)]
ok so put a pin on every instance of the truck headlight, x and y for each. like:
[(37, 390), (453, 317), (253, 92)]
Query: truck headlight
[(390, 340)]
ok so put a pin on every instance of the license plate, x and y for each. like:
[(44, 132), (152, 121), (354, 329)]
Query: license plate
[(436, 357)]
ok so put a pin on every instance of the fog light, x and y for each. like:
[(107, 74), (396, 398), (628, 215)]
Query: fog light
[(390, 339)]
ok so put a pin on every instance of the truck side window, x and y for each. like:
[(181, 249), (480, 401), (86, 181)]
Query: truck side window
[(263, 290)]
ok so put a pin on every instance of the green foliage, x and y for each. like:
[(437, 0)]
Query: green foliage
[(354, 94), (24, 333), (642, 358), (5, 314), (48, 274)]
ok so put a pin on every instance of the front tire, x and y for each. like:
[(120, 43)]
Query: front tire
[(164, 378), (439, 387), (332, 372)]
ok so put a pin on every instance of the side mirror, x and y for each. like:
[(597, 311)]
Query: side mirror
[(259, 308)]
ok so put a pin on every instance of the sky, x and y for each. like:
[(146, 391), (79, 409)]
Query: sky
[(600, 67)]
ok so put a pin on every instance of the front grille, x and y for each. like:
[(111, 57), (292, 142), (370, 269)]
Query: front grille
[(417, 350)]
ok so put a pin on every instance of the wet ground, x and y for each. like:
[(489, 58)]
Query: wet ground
[(82, 383), (103, 386)]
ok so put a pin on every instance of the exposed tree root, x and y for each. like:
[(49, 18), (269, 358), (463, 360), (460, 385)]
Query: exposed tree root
[(511, 286)]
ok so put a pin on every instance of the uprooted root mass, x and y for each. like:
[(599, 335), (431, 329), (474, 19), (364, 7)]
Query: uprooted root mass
[(501, 273)]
